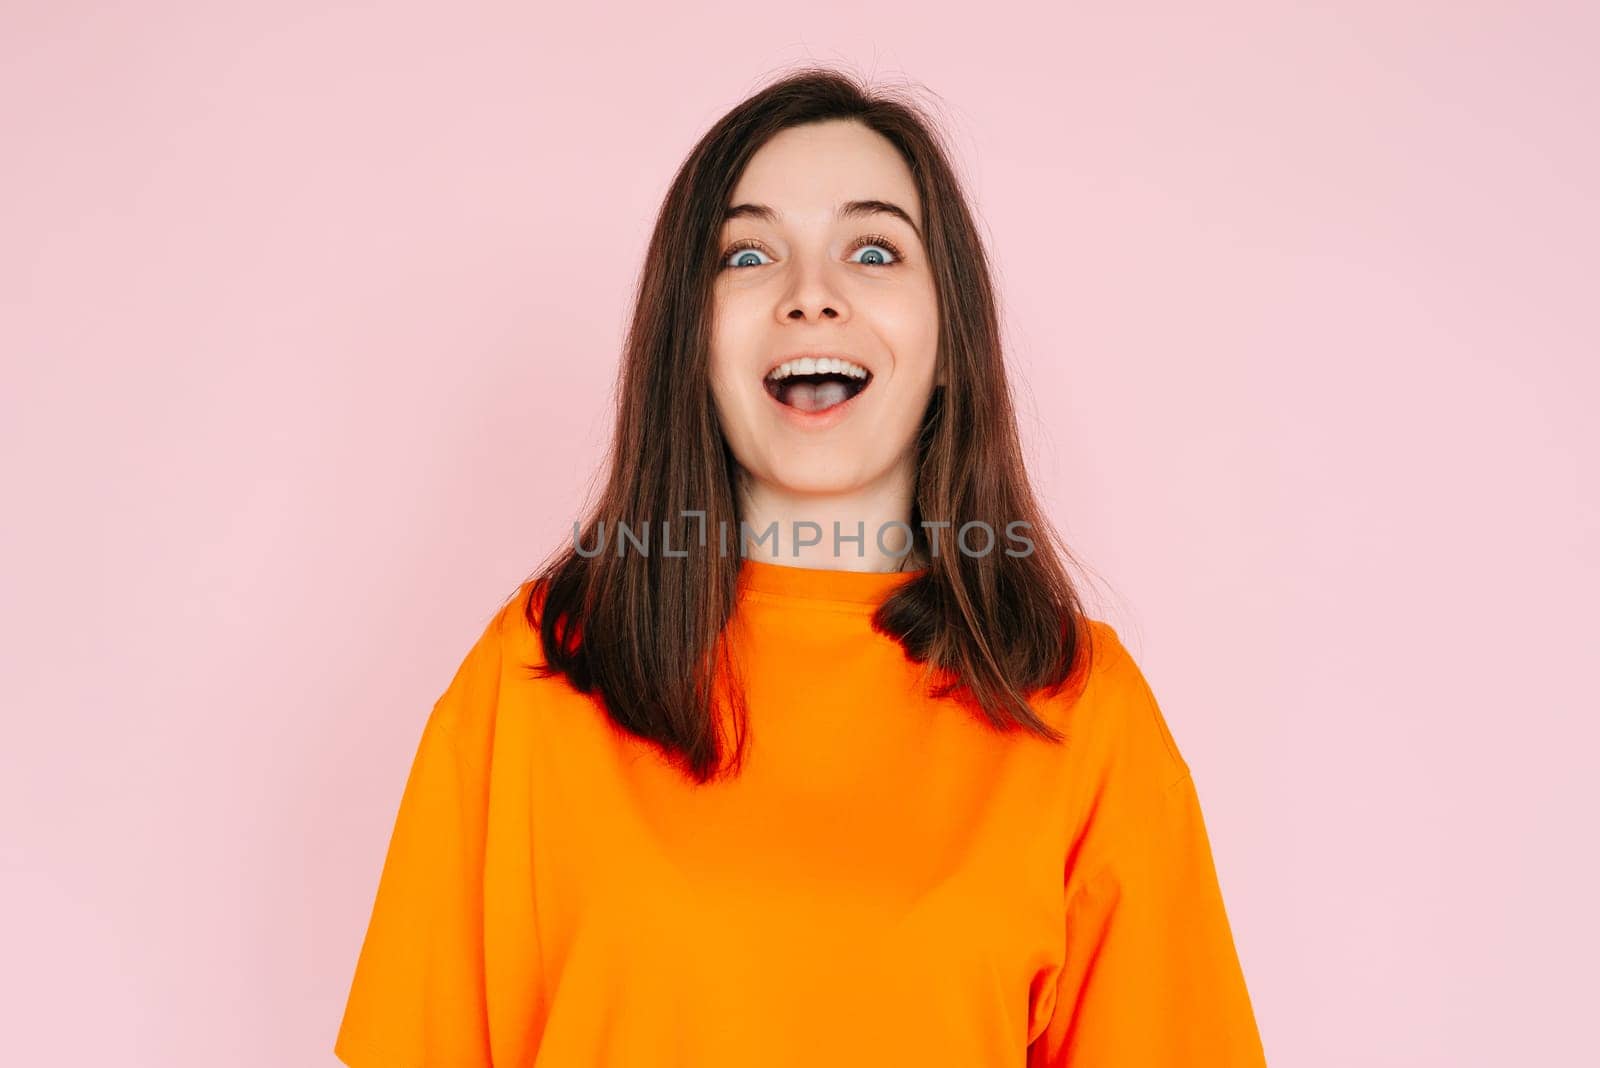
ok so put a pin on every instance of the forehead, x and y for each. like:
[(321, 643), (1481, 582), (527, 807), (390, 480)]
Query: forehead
[(806, 171)]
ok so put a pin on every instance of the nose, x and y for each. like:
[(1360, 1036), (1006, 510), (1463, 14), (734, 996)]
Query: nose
[(812, 297), (825, 312)]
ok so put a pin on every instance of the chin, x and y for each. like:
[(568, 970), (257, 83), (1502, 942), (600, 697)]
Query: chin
[(823, 473), (820, 482)]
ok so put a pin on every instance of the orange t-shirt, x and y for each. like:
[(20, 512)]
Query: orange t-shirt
[(889, 880)]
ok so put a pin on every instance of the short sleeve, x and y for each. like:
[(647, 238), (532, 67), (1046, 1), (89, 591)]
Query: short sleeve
[(1150, 976), (418, 996)]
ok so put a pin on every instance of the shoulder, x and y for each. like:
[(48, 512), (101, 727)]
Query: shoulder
[(502, 644), (1114, 720)]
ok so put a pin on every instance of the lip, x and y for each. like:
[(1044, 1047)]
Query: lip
[(816, 420)]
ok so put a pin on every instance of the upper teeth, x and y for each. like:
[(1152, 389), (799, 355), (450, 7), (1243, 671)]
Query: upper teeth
[(808, 366)]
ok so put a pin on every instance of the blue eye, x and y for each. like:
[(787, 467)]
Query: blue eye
[(738, 253), (878, 251)]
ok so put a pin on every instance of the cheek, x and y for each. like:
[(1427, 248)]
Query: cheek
[(910, 326), (724, 398), (724, 370), (723, 345)]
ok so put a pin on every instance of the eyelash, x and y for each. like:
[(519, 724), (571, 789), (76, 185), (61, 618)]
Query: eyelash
[(865, 241)]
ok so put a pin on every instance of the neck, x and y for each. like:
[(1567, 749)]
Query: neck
[(867, 510)]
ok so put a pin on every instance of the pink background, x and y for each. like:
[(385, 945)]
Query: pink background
[(310, 314)]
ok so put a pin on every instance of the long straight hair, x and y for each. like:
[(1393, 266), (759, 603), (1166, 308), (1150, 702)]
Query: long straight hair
[(643, 631)]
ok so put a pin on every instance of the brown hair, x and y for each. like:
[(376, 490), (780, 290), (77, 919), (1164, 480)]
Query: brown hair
[(993, 628)]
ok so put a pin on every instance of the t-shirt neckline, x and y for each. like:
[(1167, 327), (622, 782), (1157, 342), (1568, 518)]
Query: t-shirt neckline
[(869, 588)]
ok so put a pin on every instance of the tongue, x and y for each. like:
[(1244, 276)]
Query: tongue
[(815, 396)]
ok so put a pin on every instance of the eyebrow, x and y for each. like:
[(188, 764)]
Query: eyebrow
[(850, 209)]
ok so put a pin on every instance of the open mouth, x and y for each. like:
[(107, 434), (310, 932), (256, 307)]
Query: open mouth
[(816, 392)]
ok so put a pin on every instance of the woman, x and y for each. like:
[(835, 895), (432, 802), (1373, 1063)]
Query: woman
[(835, 770)]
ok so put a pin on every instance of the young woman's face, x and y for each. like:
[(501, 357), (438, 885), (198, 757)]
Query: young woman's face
[(817, 261)]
